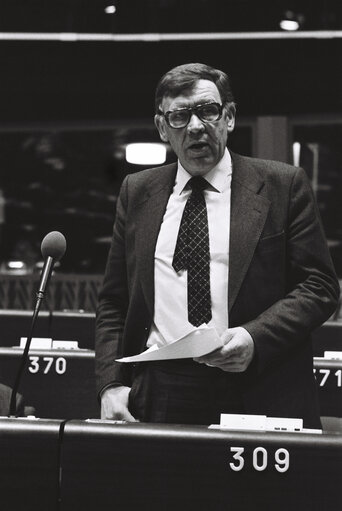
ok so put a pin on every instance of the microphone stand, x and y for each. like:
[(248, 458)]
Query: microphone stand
[(40, 295)]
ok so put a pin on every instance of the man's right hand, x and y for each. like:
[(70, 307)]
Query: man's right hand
[(114, 404)]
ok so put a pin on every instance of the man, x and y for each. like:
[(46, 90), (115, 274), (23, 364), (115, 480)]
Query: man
[(5, 402), (242, 251)]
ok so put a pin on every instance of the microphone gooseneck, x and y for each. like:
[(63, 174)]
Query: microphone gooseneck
[(53, 248)]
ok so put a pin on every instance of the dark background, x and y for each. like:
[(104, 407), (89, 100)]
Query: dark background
[(50, 81), (68, 108)]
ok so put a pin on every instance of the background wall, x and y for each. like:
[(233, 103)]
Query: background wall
[(70, 103)]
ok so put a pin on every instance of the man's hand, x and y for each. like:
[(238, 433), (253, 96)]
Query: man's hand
[(236, 353), (114, 404)]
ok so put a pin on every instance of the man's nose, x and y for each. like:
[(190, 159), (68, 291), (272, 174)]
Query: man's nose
[(195, 124)]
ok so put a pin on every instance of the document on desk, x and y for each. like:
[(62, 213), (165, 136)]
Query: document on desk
[(200, 342)]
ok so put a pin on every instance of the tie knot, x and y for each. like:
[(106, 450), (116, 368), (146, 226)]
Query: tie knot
[(198, 183)]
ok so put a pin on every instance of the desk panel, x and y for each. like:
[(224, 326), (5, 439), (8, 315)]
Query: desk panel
[(59, 325), (15, 324), (328, 337), (163, 467), (29, 464), (57, 383), (74, 326), (328, 374), (61, 383)]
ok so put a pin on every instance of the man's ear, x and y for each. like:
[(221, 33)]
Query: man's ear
[(160, 125), (230, 112)]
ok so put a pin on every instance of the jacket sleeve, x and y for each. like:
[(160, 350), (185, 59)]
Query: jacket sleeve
[(112, 303), (313, 288)]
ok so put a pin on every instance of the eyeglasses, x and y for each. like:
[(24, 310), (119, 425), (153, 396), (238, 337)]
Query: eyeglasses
[(208, 112)]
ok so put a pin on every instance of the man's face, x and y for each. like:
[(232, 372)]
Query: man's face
[(199, 145)]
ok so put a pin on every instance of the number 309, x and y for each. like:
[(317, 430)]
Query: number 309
[(260, 459)]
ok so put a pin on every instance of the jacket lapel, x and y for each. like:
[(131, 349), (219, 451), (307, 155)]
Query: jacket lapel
[(149, 216), (249, 211)]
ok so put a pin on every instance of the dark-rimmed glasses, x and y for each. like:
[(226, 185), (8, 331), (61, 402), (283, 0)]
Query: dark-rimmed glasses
[(208, 112)]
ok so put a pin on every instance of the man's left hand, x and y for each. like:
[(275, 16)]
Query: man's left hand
[(236, 353)]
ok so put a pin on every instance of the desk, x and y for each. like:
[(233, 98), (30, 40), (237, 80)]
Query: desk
[(57, 383), (74, 326), (59, 325), (15, 324), (46, 465), (328, 337), (29, 464), (164, 467), (61, 383), (329, 378)]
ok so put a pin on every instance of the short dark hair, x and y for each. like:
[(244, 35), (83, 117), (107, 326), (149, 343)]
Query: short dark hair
[(184, 77)]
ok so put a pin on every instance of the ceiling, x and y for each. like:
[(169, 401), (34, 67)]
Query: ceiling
[(66, 80), (164, 15)]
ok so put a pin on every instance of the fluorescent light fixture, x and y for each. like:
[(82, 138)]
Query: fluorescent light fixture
[(110, 9), (179, 36), (289, 25), (146, 153)]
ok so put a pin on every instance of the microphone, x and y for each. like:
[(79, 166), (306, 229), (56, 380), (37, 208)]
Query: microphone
[(53, 248)]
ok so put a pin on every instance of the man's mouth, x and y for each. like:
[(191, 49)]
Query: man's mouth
[(198, 146)]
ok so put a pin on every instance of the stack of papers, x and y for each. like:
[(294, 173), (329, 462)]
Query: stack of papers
[(200, 342)]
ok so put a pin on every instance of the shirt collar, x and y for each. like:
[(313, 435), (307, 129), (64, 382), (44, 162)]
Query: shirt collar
[(218, 177)]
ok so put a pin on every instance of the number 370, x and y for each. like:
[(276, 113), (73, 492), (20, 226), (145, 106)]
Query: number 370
[(47, 364), (260, 459)]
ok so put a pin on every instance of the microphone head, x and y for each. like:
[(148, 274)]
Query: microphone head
[(53, 245)]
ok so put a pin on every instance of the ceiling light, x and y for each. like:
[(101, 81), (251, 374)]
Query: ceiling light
[(110, 9), (146, 153), (16, 265), (291, 21), (289, 25)]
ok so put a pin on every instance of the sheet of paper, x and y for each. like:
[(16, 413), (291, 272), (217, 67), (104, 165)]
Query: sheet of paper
[(199, 342)]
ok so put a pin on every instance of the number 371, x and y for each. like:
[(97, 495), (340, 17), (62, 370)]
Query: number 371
[(260, 459)]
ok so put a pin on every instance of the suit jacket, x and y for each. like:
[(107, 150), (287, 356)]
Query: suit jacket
[(281, 282)]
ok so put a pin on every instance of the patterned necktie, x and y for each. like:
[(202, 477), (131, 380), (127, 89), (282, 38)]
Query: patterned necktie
[(192, 253)]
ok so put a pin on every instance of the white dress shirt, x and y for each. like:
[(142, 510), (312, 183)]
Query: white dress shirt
[(170, 288)]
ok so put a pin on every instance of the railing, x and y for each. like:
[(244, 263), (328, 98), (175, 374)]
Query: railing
[(65, 291)]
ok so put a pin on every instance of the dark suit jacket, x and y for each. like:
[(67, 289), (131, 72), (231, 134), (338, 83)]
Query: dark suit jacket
[(281, 281)]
